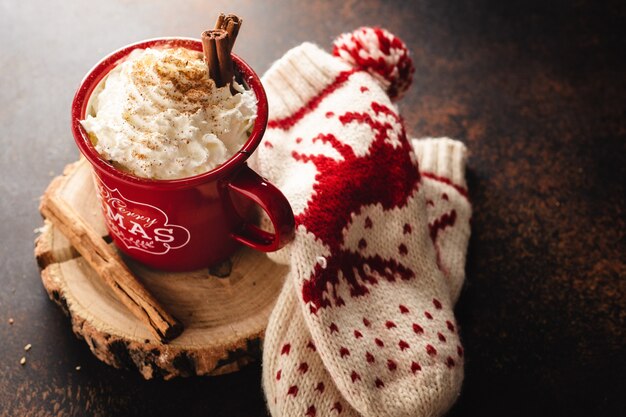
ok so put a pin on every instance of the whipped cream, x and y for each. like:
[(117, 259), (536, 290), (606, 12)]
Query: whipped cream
[(158, 115)]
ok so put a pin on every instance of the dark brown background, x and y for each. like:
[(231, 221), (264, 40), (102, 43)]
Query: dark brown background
[(535, 89)]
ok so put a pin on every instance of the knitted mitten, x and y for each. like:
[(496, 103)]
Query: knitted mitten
[(363, 265), (295, 381)]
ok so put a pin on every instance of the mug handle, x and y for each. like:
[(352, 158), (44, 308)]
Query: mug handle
[(251, 185)]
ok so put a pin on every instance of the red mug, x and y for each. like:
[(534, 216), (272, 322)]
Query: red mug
[(193, 222)]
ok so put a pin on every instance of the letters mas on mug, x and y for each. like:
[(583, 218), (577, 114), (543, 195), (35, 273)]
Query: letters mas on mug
[(138, 225)]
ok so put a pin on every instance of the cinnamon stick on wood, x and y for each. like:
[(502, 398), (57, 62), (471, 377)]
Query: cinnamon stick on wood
[(110, 268)]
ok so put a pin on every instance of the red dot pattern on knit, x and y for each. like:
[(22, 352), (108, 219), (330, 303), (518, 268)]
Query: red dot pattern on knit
[(303, 368), (293, 378), (427, 344), (355, 376), (293, 391), (431, 350), (450, 326), (408, 351)]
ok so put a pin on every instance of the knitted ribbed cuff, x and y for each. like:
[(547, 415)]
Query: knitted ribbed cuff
[(298, 76), (443, 157)]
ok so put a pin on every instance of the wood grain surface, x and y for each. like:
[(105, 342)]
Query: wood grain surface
[(534, 88), (224, 309)]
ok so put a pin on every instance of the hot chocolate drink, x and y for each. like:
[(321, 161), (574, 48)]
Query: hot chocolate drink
[(158, 115)]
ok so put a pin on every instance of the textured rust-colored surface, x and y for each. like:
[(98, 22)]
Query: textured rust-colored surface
[(536, 91)]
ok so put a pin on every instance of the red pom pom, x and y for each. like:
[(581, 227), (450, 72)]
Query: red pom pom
[(380, 53)]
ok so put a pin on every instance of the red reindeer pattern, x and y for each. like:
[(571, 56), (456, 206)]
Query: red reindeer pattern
[(342, 188)]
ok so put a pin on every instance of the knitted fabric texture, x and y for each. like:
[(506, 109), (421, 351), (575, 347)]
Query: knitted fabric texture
[(295, 381), (381, 54), (364, 323)]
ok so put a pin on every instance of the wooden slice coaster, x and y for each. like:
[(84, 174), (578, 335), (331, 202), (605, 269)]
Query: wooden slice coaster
[(224, 309)]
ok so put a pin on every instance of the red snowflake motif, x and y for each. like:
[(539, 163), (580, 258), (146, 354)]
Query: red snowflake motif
[(343, 187)]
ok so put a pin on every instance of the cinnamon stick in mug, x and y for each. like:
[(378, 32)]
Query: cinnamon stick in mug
[(210, 56), (222, 43)]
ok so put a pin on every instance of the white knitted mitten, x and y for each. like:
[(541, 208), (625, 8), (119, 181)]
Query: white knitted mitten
[(363, 266), (295, 381)]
